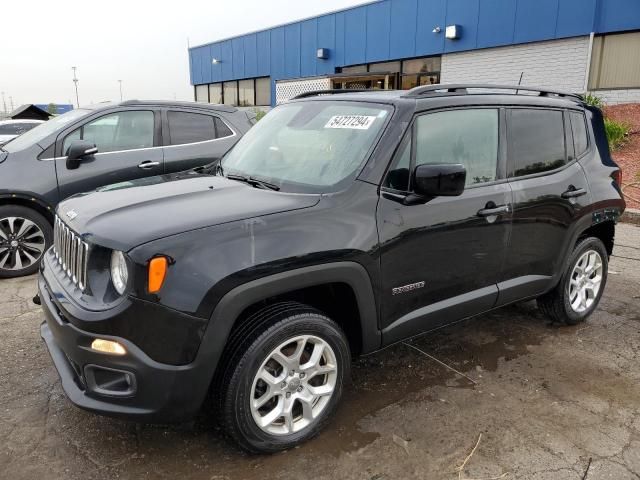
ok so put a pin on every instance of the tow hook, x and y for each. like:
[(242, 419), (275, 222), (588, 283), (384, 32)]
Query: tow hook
[(36, 299)]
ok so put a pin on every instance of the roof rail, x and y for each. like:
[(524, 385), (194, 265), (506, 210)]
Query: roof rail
[(330, 92), (463, 89)]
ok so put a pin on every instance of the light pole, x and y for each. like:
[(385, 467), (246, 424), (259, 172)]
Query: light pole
[(4, 104), (120, 82), (75, 82)]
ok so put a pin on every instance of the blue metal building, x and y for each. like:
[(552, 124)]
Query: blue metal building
[(349, 48)]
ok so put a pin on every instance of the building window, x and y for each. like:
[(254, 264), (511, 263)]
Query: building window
[(202, 93), (215, 93), (263, 91), (246, 91), (385, 67), (615, 61), (230, 93), (420, 71), (355, 69)]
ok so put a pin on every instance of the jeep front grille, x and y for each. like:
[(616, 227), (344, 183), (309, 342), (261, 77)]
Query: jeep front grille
[(71, 253)]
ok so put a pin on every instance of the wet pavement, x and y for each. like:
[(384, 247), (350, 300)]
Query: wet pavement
[(547, 402)]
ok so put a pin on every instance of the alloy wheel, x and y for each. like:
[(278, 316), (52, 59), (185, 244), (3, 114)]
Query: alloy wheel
[(22, 243), (585, 281), (293, 385)]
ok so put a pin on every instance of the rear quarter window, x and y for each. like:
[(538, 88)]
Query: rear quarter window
[(580, 135)]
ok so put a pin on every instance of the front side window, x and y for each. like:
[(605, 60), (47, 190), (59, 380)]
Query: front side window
[(468, 137), (129, 130), (185, 127), (309, 146), (536, 141)]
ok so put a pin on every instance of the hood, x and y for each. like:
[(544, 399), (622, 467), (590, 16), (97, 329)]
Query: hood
[(125, 215)]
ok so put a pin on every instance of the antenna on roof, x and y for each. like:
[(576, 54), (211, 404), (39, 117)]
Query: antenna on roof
[(520, 81)]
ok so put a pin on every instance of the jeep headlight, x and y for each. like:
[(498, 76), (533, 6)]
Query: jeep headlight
[(119, 272)]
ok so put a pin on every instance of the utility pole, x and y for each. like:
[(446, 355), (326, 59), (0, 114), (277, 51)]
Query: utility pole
[(4, 104), (11, 102), (120, 82), (75, 82)]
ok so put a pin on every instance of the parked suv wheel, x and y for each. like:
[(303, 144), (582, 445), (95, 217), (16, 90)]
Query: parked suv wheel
[(24, 237), (580, 288), (284, 379)]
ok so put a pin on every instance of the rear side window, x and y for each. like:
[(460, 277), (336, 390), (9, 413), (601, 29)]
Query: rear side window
[(580, 136), (468, 137), (187, 127), (221, 129), (536, 141)]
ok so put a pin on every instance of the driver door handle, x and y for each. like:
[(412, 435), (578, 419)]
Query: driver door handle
[(574, 192), (148, 164), (488, 212)]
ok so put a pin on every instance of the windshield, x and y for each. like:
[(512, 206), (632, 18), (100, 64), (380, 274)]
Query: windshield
[(308, 146), (43, 130)]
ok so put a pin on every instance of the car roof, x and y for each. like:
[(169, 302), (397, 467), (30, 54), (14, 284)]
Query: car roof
[(162, 103)]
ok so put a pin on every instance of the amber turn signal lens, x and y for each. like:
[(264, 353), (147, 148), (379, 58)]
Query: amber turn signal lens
[(157, 272)]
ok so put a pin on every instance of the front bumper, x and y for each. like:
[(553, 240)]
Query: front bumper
[(155, 392)]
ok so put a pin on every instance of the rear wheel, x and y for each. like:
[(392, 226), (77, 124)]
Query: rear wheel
[(284, 379), (581, 286), (24, 237)]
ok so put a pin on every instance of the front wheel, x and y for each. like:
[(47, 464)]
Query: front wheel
[(24, 237), (581, 286), (285, 379)]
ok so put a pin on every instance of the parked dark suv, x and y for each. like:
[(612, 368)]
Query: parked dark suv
[(338, 225), (94, 146)]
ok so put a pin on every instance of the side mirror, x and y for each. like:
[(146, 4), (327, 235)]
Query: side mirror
[(443, 180), (78, 151)]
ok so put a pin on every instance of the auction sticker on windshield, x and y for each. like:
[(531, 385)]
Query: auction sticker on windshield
[(356, 122)]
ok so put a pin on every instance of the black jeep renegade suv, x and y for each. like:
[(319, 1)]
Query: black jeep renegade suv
[(340, 224)]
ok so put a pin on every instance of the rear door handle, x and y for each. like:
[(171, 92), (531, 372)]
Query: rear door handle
[(148, 164), (574, 192), (488, 212)]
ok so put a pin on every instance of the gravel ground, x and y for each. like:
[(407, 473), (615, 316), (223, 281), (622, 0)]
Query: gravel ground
[(549, 403), (628, 157)]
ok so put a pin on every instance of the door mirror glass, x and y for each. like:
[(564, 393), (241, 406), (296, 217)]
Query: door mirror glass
[(79, 151), (445, 180)]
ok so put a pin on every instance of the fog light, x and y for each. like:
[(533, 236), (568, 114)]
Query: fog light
[(107, 346)]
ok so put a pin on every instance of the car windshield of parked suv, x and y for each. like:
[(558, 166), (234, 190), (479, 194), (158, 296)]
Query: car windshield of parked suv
[(308, 146), (42, 131)]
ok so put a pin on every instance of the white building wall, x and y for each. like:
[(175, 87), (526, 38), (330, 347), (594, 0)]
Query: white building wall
[(556, 64), (287, 89)]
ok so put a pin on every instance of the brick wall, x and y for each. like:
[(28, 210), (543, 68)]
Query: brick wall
[(558, 64)]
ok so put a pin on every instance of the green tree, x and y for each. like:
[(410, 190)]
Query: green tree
[(52, 109)]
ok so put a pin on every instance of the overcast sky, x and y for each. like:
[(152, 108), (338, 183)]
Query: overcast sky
[(142, 42)]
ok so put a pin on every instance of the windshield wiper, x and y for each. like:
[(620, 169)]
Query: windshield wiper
[(254, 182)]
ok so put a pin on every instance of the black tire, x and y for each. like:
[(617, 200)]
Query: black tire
[(249, 347), (9, 270), (556, 304)]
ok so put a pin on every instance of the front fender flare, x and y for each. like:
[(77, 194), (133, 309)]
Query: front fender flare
[(234, 302)]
